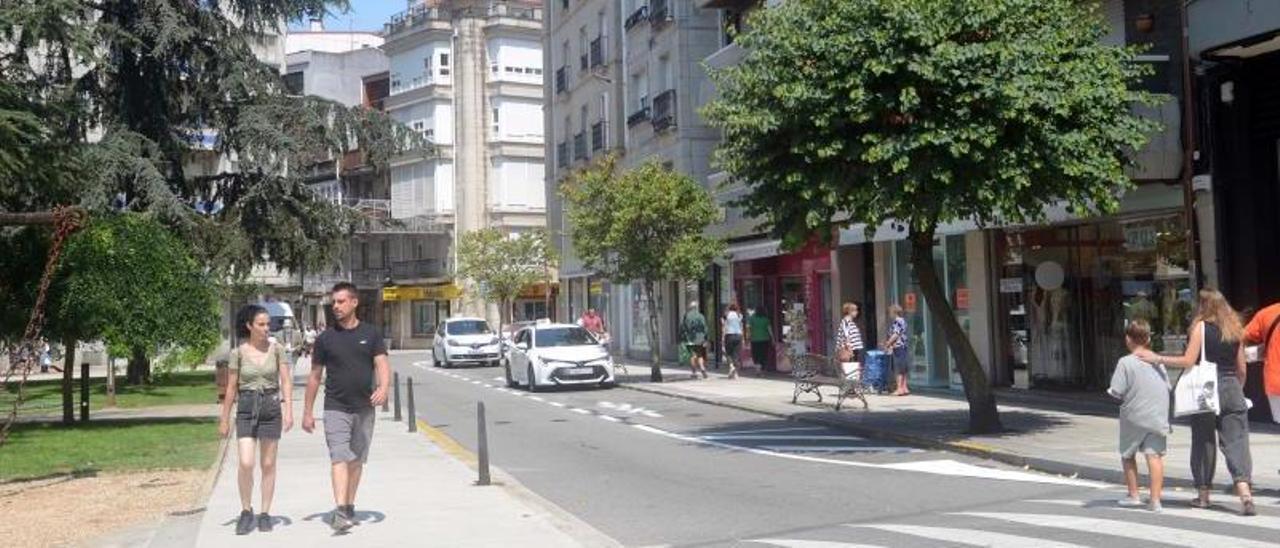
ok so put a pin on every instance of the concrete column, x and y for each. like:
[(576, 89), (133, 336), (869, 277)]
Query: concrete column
[(981, 299), (470, 165)]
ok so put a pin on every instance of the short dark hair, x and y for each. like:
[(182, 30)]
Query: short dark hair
[(245, 316), (345, 286)]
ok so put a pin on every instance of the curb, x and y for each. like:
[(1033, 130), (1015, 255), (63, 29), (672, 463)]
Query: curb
[(1039, 464), (558, 517)]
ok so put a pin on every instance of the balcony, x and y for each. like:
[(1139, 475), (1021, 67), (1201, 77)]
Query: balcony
[(638, 116), (597, 52), (562, 80), (639, 16), (664, 110), (597, 136), (503, 9), (562, 154), (414, 17), (580, 146), (370, 277), (421, 268), (660, 12)]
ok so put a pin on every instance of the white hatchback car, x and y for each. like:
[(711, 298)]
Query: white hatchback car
[(465, 340), (546, 355)]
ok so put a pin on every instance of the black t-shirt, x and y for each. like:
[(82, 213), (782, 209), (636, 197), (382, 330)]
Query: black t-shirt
[(347, 355)]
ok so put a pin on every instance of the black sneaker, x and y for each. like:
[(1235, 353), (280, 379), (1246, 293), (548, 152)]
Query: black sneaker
[(244, 525), (339, 520), (350, 509), (264, 522)]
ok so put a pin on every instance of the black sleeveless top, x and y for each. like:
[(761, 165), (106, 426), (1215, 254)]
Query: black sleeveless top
[(1220, 352)]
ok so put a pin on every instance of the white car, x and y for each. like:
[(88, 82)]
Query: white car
[(465, 340), (547, 355)]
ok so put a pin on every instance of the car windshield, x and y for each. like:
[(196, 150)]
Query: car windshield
[(564, 336), (468, 327)]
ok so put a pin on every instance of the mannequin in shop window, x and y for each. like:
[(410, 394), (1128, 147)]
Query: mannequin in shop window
[(1051, 335)]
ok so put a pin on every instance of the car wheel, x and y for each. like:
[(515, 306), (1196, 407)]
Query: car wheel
[(435, 362), (511, 381), (533, 381), (608, 384)]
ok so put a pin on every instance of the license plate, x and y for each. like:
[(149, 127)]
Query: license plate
[(580, 370)]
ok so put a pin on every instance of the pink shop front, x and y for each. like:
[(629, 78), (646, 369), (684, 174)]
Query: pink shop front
[(800, 280)]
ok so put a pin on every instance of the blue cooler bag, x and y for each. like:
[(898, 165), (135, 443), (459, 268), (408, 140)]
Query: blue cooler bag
[(876, 370)]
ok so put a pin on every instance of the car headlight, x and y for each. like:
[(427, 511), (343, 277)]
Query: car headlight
[(452, 342), (557, 364)]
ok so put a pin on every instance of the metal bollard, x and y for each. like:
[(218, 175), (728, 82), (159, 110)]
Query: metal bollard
[(483, 442), (413, 417), (395, 392)]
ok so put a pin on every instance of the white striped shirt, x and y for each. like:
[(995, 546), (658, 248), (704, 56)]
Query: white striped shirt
[(849, 336)]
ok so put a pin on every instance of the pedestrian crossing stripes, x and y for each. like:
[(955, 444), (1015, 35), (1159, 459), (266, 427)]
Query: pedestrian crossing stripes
[(1061, 523)]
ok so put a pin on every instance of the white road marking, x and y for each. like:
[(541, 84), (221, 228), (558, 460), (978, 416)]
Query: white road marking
[(1126, 529), (580, 411), (801, 437), (939, 467), (840, 449), (972, 537), (499, 379), (1186, 513), (798, 543), (556, 403), (537, 398), (610, 419), (630, 409), (767, 430)]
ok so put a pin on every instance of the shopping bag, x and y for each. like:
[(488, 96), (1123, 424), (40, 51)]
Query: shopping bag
[(685, 354), (1197, 390), (851, 370)]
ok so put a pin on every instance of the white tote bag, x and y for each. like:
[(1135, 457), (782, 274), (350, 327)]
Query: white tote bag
[(1197, 390)]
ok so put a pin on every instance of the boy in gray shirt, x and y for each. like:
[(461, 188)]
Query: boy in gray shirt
[(1144, 414)]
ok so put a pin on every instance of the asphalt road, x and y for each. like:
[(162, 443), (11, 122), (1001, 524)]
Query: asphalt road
[(649, 470)]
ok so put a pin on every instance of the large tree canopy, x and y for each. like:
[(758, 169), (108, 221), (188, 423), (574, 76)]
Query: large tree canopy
[(924, 112), (165, 103)]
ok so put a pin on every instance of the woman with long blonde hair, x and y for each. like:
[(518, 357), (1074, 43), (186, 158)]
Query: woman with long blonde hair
[(1218, 328)]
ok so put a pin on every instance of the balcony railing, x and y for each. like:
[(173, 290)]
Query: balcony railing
[(580, 146), (421, 268), (664, 110), (562, 80), (562, 154), (597, 136), (502, 9), (638, 116), (639, 16), (597, 52), (660, 12), (414, 17)]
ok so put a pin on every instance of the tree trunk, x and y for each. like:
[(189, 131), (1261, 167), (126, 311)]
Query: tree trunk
[(139, 370), (68, 380), (983, 415), (655, 369)]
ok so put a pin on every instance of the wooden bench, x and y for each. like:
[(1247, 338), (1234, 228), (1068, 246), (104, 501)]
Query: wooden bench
[(813, 371)]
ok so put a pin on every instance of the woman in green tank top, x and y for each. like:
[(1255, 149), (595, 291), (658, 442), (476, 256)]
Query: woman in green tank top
[(259, 382)]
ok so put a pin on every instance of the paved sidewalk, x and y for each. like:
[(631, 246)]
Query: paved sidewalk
[(1047, 432), (413, 493)]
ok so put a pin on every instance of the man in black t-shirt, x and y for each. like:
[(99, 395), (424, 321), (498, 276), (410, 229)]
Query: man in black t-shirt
[(352, 352)]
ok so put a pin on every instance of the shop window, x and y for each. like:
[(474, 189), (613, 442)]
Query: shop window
[(424, 317)]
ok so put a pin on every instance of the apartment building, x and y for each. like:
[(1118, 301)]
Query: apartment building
[(467, 75)]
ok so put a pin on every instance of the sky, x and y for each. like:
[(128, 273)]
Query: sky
[(364, 15)]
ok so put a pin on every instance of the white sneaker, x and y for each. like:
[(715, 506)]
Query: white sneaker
[(1156, 507), (1129, 502)]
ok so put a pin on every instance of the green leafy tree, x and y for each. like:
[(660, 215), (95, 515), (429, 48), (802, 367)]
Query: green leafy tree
[(500, 267), (925, 112), (125, 280), (164, 102), (645, 224)]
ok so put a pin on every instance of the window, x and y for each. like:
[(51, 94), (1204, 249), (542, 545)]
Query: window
[(563, 336), (467, 327), (495, 121), (424, 317), (364, 255), (293, 83), (582, 122), (444, 64), (386, 254)]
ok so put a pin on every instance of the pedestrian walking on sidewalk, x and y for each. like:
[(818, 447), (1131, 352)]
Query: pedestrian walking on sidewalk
[(849, 343), (260, 384), (731, 337), (760, 331), (353, 355), (898, 350), (694, 328), (1144, 414), (1261, 331), (1218, 328)]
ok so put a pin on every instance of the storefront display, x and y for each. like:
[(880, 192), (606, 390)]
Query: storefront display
[(932, 364)]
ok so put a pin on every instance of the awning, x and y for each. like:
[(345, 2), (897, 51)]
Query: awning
[(754, 249), (446, 292)]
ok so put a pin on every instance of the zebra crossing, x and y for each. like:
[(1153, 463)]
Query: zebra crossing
[(1051, 523)]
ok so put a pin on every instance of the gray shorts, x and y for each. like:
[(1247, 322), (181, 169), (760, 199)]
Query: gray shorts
[(348, 434), (1147, 443)]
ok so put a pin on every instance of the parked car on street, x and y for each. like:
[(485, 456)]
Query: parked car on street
[(508, 334), (465, 340), (547, 355)]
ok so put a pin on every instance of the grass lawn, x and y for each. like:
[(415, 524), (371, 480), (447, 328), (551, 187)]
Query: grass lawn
[(35, 450), (179, 388)]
